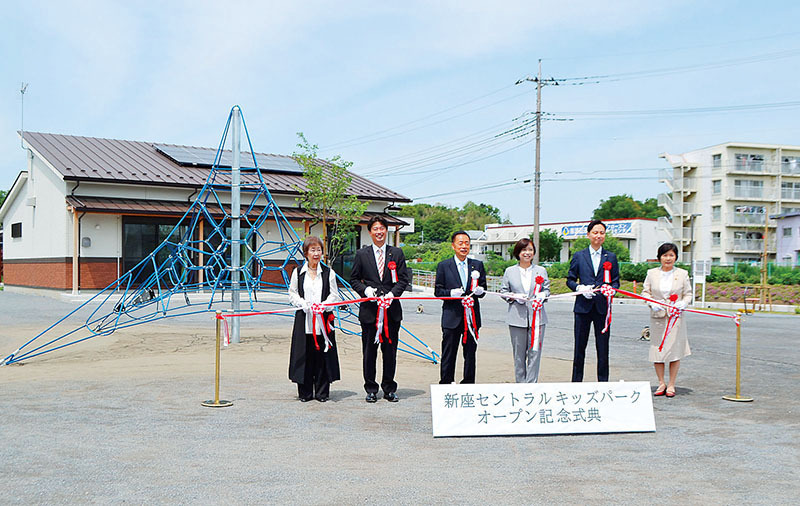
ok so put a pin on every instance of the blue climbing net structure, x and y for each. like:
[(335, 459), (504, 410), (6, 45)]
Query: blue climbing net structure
[(191, 273)]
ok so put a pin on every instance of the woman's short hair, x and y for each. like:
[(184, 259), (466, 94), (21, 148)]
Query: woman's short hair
[(311, 241), (667, 246), (521, 245)]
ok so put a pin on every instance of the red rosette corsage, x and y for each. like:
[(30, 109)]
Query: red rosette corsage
[(673, 297), (539, 280), (393, 269), (607, 266)]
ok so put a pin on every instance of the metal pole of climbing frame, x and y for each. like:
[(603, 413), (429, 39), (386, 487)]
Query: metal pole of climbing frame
[(235, 230)]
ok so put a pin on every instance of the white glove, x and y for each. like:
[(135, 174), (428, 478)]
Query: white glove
[(306, 308), (522, 298), (370, 292), (456, 292), (389, 295), (587, 294), (478, 291), (542, 296), (680, 304), (654, 307)]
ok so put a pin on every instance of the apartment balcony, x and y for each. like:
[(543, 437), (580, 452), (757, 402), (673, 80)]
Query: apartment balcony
[(768, 193), (748, 219), (763, 168), (686, 185), (750, 246)]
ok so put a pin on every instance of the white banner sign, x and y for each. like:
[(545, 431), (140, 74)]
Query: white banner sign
[(541, 408)]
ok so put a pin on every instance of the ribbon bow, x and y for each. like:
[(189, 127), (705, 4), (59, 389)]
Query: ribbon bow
[(609, 292), (382, 323), (317, 313), (470, 323)]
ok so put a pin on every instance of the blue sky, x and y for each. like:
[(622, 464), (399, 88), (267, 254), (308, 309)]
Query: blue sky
[(415, 93)]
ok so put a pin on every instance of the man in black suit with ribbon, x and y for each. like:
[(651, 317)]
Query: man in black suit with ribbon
[(455, 277), (379, 270), (588, 267)]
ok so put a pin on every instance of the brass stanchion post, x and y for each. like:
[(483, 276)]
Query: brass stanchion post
[(217, 403), (738, 397)]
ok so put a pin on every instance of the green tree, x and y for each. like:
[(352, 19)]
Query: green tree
[(625, 206), (326, 196), (439, 226), (611, 243), (3, 194), (549, 245)]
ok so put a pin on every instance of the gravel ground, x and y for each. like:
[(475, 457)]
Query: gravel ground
[(118, 419)]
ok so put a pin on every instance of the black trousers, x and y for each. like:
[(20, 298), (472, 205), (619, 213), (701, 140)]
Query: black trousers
[(369, 351), (582, 323), (450, 341), (316, 382)]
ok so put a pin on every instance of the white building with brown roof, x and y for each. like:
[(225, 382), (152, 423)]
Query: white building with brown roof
[(88, 209)]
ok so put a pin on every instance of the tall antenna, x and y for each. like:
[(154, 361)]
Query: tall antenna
[(22, 90)]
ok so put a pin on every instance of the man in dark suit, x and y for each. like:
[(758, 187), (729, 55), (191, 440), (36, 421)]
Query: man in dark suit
[(379, 270), (454, 279), (585, 273)]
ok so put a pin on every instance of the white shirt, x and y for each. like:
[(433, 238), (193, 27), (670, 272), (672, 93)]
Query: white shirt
[(526, 275), (666, 281), (596, 255), (312, 288)]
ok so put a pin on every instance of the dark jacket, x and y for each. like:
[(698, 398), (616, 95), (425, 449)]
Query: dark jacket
[(581, 272), (365, 273), (447, 278)]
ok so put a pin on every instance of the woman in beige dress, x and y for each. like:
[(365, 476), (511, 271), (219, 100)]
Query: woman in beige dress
[(670, 285)]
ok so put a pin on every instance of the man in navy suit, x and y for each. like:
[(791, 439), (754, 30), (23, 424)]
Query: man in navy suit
[(379, 270), (586, 272), (454, 279)]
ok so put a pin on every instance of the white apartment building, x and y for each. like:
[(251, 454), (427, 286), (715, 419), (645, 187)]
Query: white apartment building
[(719, 199)]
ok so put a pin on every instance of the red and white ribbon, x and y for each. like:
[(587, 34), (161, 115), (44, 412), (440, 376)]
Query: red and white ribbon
[(608, 291), (318, 313), (470, 323), (673, 313), (393, 270), (382, 322), (537, 305), (607, 272)]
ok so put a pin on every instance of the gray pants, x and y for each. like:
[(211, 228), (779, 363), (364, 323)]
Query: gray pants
[(526, 360)]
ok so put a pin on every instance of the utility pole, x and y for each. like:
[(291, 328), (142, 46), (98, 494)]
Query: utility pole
[(537, 163), (23, 88), (537, 167)]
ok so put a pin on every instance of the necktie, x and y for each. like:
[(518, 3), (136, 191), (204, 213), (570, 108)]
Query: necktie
[(380, 263), (462, 271)]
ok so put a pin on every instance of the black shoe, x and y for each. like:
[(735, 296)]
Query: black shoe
[(305, 399), (322, 399), (372, 397), (392, 397)]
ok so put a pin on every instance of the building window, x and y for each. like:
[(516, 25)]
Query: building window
[(790, 191), (715, 260), (716, 161), (749, 163), (716, 187), (790, 164), (787, 231), (715, 239), (16, 229), (748, 189), (716, 213)]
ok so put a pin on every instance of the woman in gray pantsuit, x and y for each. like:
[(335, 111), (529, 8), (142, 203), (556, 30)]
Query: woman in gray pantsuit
[(520, 281)]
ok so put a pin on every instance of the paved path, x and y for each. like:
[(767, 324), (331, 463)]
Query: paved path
[(118, 419)]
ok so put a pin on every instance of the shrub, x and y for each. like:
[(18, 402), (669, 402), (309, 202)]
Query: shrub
[(634, 272), (558, 270), (719, 275)]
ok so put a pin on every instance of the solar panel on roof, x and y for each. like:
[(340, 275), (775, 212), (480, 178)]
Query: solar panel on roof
[(204, 157)]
